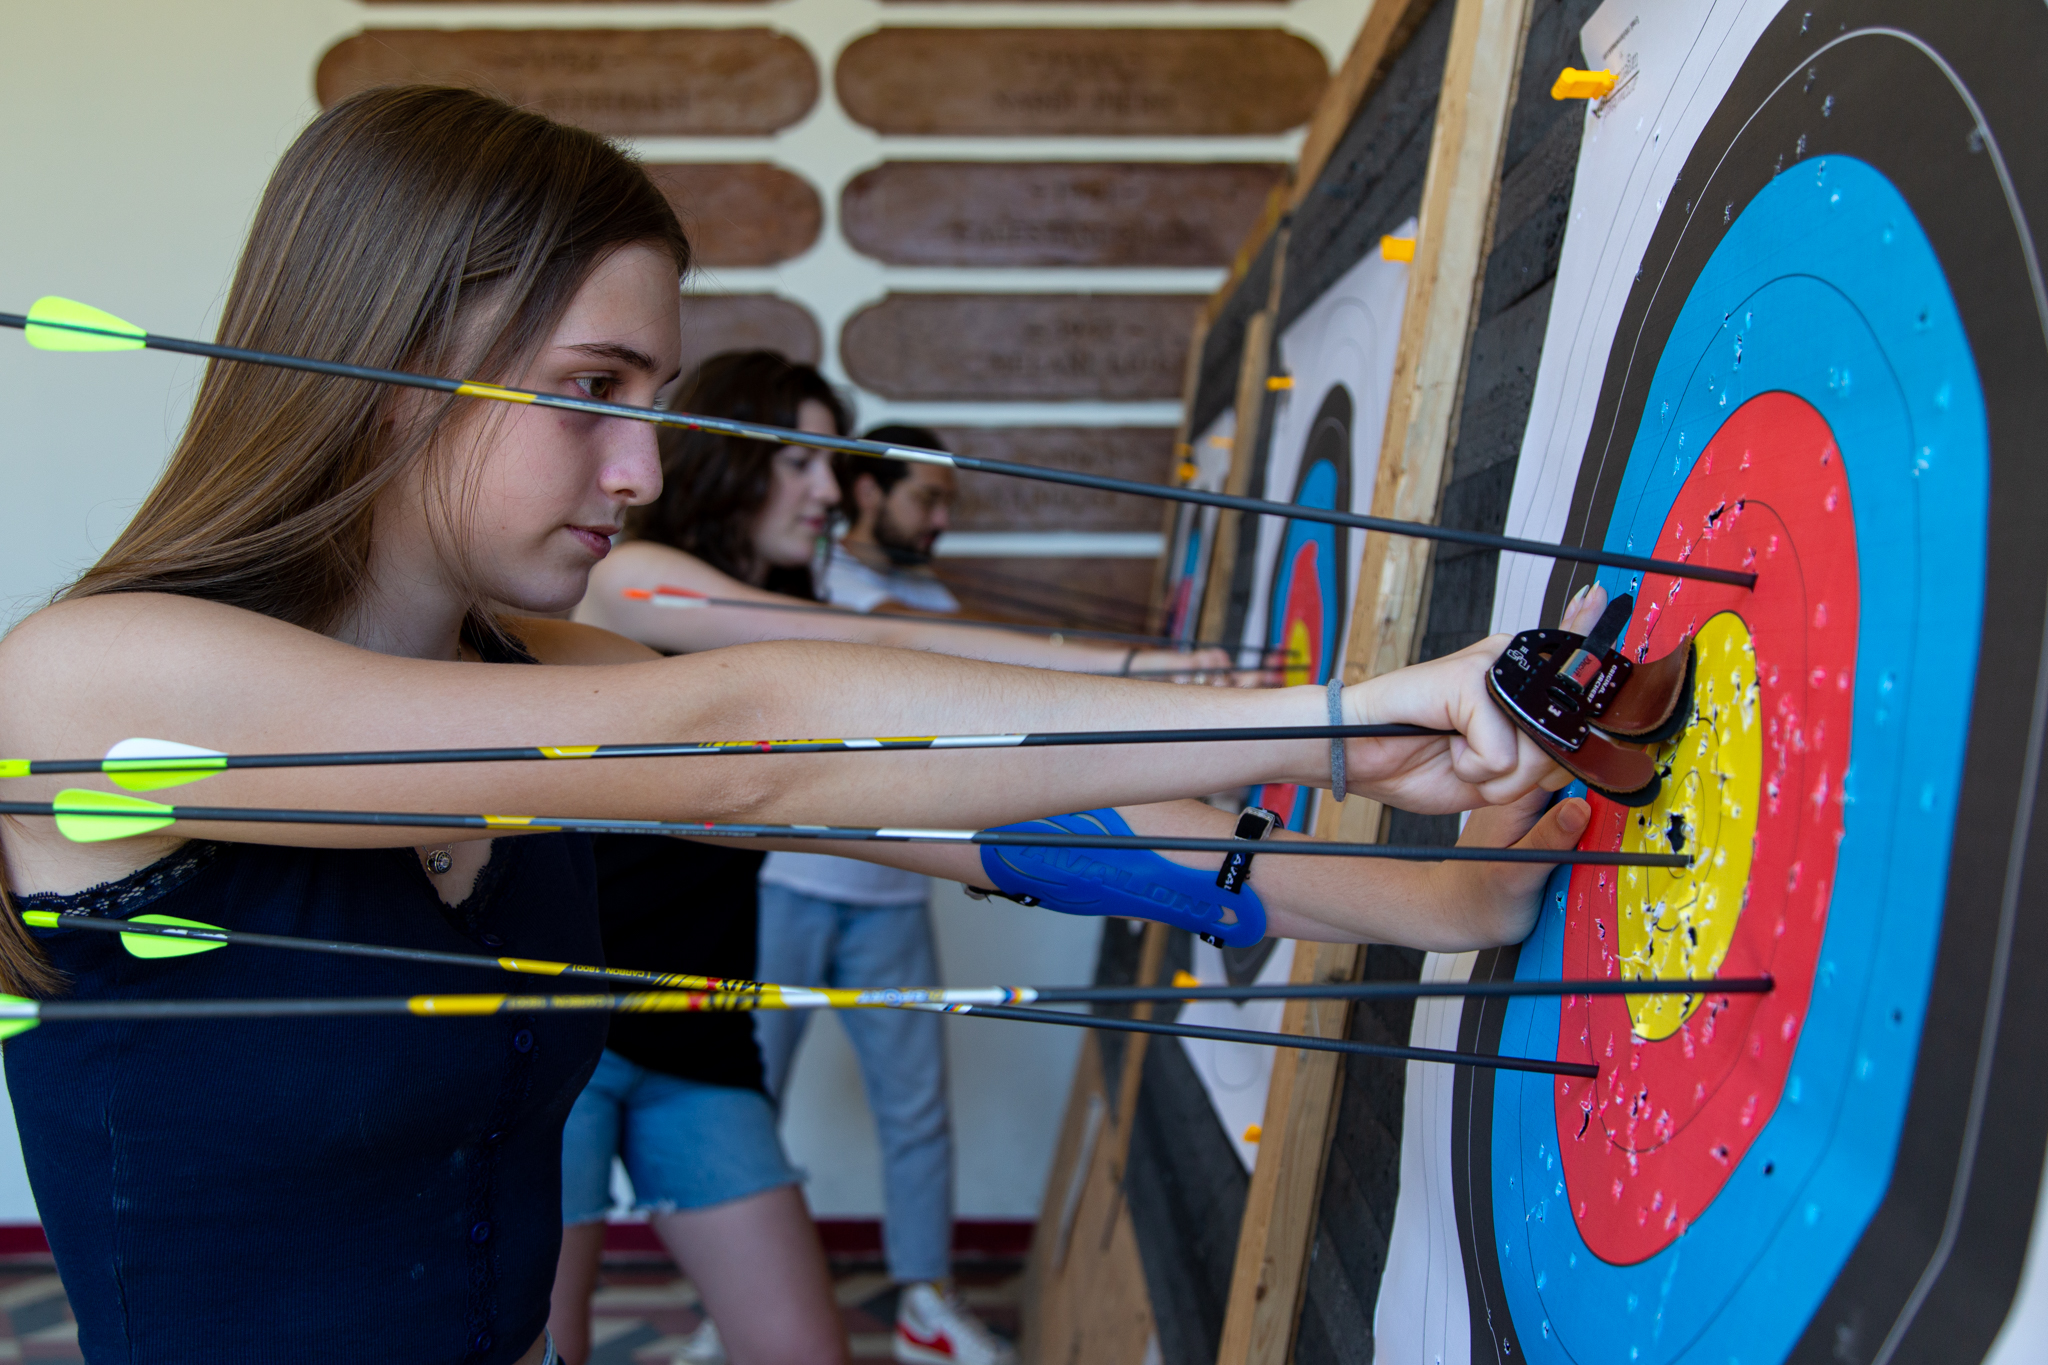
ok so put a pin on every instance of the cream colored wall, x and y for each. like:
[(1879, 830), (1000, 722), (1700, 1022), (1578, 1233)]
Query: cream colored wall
[(137, 136)]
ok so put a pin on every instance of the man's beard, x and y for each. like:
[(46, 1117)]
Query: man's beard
[(902, 551)]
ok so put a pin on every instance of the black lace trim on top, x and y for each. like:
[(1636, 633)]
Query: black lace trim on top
[(124, 896)]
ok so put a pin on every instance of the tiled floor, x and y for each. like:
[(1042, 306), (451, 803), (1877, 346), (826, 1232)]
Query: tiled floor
[(643, 1309)]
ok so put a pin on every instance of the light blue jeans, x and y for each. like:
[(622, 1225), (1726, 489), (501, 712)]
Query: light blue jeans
[(686, 1144), (806, 941)]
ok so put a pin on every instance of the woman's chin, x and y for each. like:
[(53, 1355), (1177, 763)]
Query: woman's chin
[(554, 596)]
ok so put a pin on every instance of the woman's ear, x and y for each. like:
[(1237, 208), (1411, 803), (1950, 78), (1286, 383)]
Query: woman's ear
[(867, 495)]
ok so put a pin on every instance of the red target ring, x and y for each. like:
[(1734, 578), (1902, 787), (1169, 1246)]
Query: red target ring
[(1649, 1145)]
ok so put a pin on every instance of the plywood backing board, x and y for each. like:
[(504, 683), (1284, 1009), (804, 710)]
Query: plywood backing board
[(1085, 1294), (1354, 1206), (1372, 162), (1483, 42), (1389, 24), (1481, 75)]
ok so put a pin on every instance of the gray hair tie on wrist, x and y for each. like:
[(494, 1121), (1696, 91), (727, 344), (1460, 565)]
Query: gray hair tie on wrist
[(1337, 745)]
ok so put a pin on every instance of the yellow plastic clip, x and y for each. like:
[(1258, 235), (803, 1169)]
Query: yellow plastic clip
[(1185, 473), (1279, 383), (1185, 979), (1397, 248), (1252, 1132), (1574, 84)]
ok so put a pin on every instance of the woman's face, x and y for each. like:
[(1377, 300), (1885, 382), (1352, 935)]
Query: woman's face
[(551, 488), (801, 495)]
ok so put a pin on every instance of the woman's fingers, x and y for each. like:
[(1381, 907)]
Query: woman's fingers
[(1582, 613), (1561, 827)]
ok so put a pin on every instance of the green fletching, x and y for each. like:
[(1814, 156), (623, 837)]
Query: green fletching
[(60, 323), (10, 1027), (154, 774), (153, 945), (90, 817)]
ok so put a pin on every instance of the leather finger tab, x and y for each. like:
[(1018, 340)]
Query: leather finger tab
[(1655, 703), (1617, 771)]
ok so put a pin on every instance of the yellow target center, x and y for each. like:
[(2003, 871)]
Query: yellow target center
[(1678, 922), (1300, 666)]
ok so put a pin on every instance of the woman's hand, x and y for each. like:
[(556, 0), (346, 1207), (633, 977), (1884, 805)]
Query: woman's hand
[(1486, 763), (1497, 903)]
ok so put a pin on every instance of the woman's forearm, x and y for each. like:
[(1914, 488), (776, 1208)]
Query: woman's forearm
[(1433, 906), (789, 689)]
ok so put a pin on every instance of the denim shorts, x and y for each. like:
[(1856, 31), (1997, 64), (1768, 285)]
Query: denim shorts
[(686, 1144)]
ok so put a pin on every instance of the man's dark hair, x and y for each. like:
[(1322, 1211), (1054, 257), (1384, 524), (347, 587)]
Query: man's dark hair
[(886, 473)]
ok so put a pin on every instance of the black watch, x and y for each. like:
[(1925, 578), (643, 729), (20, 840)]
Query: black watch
[(1253, 825)]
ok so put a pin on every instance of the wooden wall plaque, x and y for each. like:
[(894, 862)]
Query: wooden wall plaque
[(729, 82), (991, 502), (946, 347), (1055, 213), (746, 213), (1024, 82), (746, 322)]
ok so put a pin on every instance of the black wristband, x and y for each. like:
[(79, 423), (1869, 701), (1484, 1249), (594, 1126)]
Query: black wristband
[(1253, 825)]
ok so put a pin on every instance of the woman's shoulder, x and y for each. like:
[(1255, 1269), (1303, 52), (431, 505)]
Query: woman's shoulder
[(112, 639)]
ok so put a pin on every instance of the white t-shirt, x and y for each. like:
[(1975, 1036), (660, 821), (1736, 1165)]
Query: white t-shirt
[(851, 583), (847, 582)]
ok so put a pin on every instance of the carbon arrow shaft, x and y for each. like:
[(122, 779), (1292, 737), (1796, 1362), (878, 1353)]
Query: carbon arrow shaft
[(147, 815), (755, 431), (1302, 1042), (820, 997), (19, 1012), (203, 764)]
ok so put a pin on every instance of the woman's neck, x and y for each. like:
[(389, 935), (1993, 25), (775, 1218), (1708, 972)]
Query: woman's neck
[(407, 636)]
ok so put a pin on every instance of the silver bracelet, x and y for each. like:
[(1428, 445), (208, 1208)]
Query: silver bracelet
[(1337, 745)]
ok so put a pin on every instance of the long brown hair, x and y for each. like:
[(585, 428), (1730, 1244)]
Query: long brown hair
[(410, 227), (713, 487)]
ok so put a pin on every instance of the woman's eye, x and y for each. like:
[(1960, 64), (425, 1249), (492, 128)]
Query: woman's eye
[(598, 386)]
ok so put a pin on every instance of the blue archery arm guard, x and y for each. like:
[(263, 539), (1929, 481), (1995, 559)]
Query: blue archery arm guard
[(1133, 882)]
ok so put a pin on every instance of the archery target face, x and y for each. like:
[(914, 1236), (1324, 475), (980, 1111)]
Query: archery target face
[(1194, 528), (1236, 1076), (1831, 320), (1324, 452)]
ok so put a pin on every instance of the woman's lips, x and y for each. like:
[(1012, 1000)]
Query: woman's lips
[(597, 541)]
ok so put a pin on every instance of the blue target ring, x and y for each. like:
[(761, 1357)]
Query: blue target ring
[(1305, 612), (1826, 288)]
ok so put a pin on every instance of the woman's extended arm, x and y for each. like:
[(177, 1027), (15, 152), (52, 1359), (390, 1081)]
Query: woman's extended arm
[(83, 675), (647, 565)]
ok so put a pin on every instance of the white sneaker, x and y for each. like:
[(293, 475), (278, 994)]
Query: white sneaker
[(934, 1328), (701, 1347)]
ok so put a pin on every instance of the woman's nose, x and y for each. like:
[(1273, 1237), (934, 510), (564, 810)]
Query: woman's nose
[(632, 473)]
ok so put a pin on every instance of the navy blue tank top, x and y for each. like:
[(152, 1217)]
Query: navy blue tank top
[(320, 1190)]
